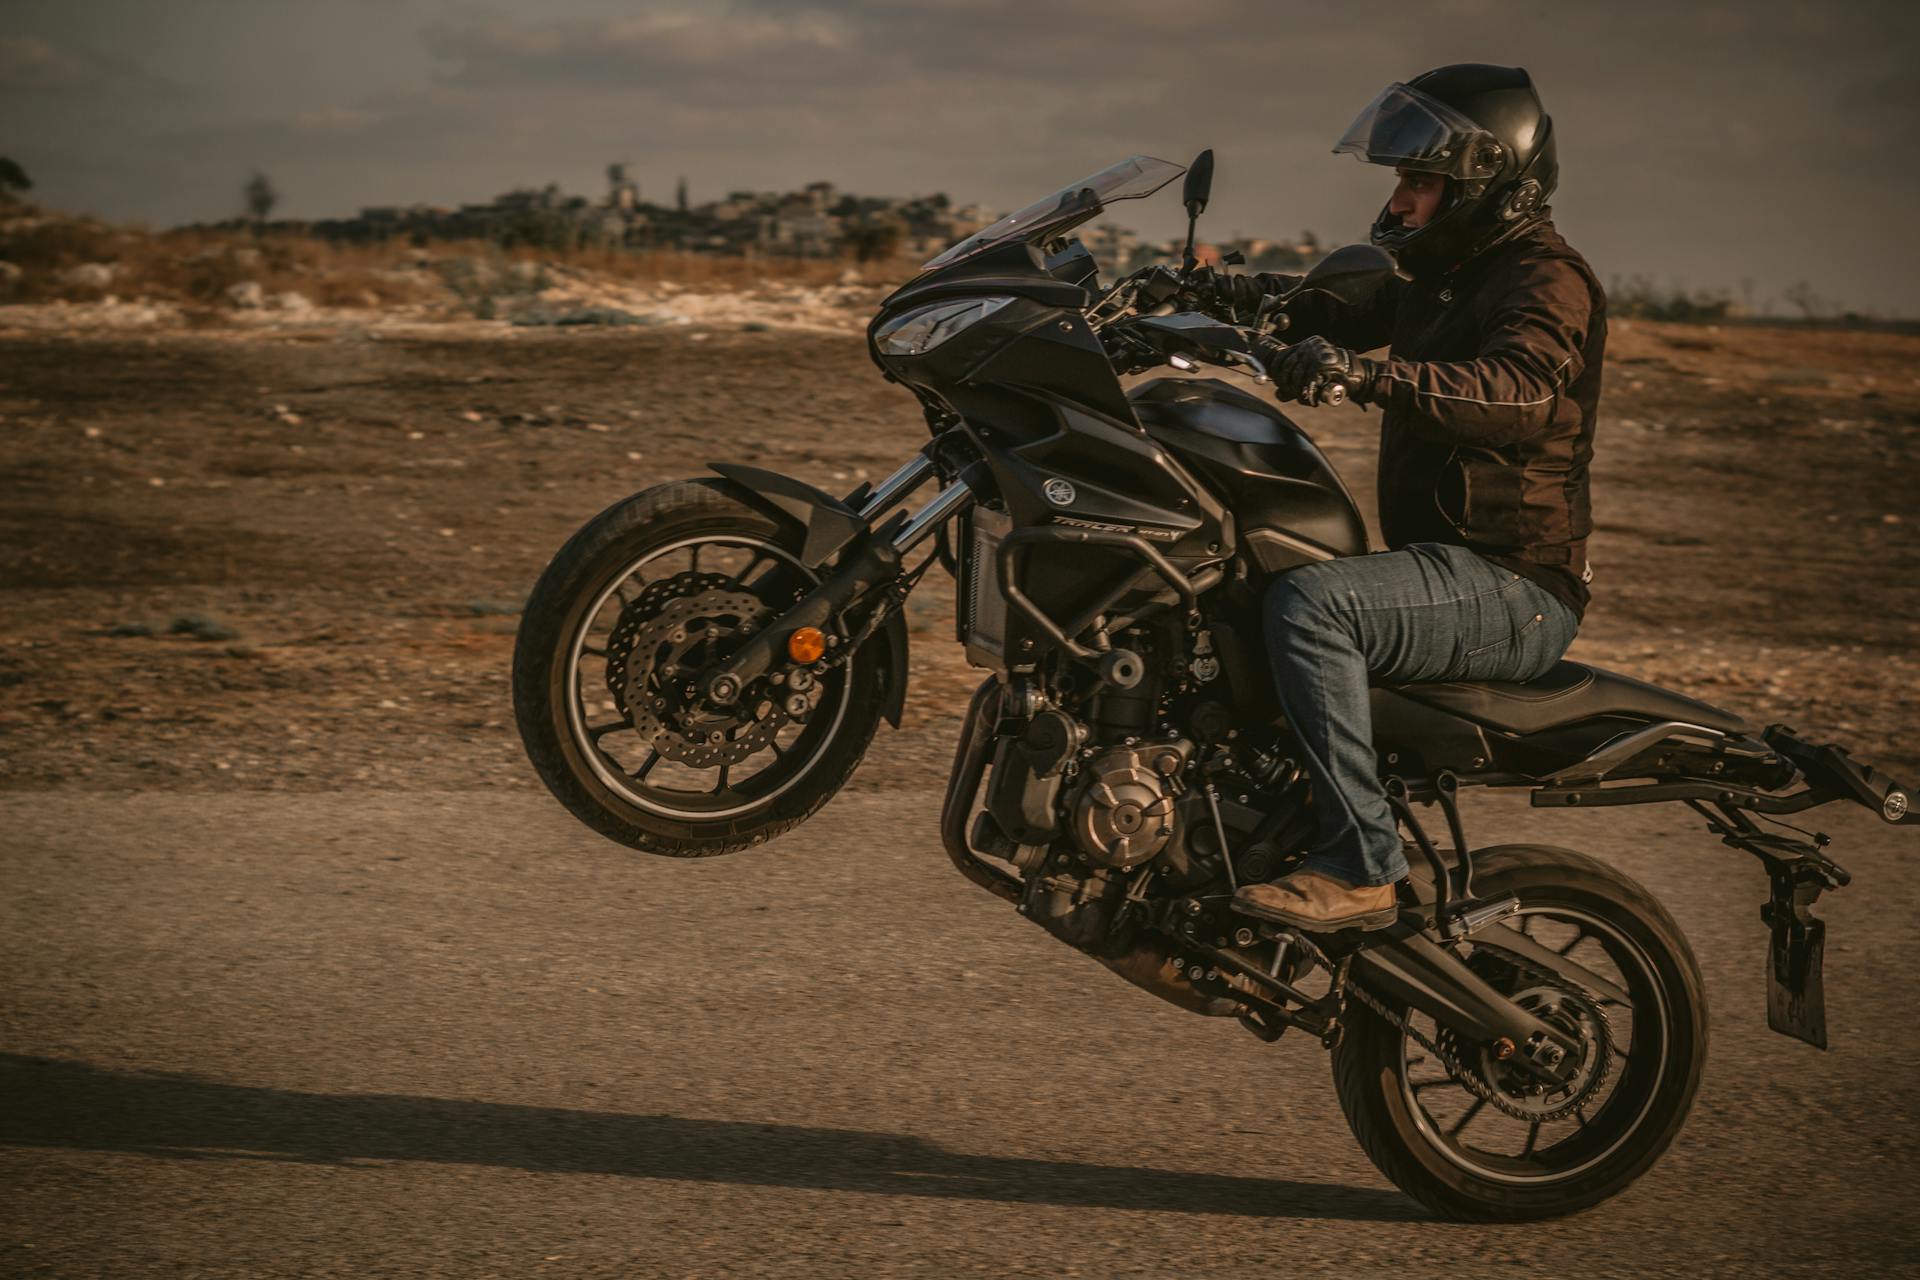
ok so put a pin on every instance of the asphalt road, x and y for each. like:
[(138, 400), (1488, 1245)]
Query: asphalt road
[(457, 1034)]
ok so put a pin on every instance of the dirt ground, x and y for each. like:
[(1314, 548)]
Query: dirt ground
[(239, 560)]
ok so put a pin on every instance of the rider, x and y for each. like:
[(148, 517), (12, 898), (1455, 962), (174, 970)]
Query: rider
[(1495, 330)]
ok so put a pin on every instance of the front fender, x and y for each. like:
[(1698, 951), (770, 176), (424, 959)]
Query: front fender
[(830, 525)]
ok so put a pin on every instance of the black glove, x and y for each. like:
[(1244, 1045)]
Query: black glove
[(1233, 298), (1308, 371)]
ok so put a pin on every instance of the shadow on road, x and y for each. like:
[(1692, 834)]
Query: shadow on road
[(52, 1103)]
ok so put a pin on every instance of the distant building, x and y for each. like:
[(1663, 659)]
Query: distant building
[(817, 221)]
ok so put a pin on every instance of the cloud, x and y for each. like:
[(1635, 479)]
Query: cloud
[(337, 120), (28, 62), (31, 66), (703, 54)]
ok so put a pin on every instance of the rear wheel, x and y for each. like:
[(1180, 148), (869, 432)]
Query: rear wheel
[(608, 694), (1471, 1138)]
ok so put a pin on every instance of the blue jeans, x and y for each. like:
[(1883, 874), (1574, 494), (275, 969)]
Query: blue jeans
[(1427, 612)]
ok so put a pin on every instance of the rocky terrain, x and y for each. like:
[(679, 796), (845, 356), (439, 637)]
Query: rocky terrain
[(292, 555), (60, 274)]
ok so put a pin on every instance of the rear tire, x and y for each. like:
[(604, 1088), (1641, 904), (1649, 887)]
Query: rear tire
[(572, 587), (1629, 1128)]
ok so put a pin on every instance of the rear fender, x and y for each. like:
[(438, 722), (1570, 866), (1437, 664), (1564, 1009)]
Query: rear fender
[(830, 525)]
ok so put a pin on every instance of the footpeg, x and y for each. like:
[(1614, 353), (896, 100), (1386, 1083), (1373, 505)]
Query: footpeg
[(1463, 918)]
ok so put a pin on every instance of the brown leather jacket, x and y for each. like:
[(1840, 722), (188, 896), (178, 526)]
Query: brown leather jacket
[(1490, 391)]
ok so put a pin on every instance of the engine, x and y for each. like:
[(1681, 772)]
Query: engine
[(1127, 780), (1124, 813)]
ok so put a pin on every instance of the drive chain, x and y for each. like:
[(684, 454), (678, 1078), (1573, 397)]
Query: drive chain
[(1473, 1080)]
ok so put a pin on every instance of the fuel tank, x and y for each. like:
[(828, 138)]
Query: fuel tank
[(1289, 503)]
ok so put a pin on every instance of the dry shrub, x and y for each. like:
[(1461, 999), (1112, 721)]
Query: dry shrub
[(197, 269), (718, 270)]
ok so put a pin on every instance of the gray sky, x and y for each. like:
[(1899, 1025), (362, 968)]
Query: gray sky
[(1707, 143)]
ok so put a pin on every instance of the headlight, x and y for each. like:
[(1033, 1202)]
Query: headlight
[(924, 329)]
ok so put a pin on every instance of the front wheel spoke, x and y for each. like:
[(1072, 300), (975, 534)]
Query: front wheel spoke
[(721, 784), (1467, 1117), (1578, 938), (599, 731), (746, 572), (646, 766)]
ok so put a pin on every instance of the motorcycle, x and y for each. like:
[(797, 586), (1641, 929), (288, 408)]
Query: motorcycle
[(702, 666)]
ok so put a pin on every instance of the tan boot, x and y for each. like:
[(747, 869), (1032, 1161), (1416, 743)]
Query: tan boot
[(1319, 903)]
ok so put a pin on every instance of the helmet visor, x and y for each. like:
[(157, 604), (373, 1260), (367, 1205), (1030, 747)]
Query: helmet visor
[(1406, 129)]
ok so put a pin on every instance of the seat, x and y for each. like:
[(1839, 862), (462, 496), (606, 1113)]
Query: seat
[(1570, 692)]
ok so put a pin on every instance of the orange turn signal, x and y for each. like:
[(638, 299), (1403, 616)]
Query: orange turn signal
[(806, 644)]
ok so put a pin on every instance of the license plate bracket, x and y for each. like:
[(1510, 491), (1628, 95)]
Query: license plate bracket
[(1796, 949)]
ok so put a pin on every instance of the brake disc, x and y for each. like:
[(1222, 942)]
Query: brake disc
[(664, 639)]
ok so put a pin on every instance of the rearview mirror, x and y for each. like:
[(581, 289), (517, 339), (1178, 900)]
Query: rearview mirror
[(1199, 184), (1352, 273)]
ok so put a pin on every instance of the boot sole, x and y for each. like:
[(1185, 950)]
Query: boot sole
[(1366, 921)]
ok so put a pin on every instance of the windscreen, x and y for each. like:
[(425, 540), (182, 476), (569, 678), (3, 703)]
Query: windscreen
[(1132, 178)]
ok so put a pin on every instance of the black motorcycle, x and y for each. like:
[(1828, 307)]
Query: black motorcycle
[(703, 665)]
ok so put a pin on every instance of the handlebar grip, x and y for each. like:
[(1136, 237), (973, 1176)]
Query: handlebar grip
[(1335, 394)]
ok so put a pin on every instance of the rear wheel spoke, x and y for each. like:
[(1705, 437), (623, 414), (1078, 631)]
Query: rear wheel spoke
[(1467, 1117), (1533, 1140)]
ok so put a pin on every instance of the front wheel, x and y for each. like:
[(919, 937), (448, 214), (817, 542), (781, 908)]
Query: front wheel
[(607, 684), (1471, 1139)]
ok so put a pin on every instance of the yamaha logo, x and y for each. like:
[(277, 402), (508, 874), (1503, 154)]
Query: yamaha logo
[(1059, 492), (1895, 807)]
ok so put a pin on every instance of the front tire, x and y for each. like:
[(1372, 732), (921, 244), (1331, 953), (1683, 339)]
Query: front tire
[(1526, 1161), (596, 596)]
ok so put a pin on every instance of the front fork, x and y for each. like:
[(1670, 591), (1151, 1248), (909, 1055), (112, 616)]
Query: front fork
[(872, 559)]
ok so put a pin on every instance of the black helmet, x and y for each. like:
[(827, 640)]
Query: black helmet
[(1484, 130)]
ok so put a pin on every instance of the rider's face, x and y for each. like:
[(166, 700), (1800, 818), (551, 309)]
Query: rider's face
[(1416, 198)]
